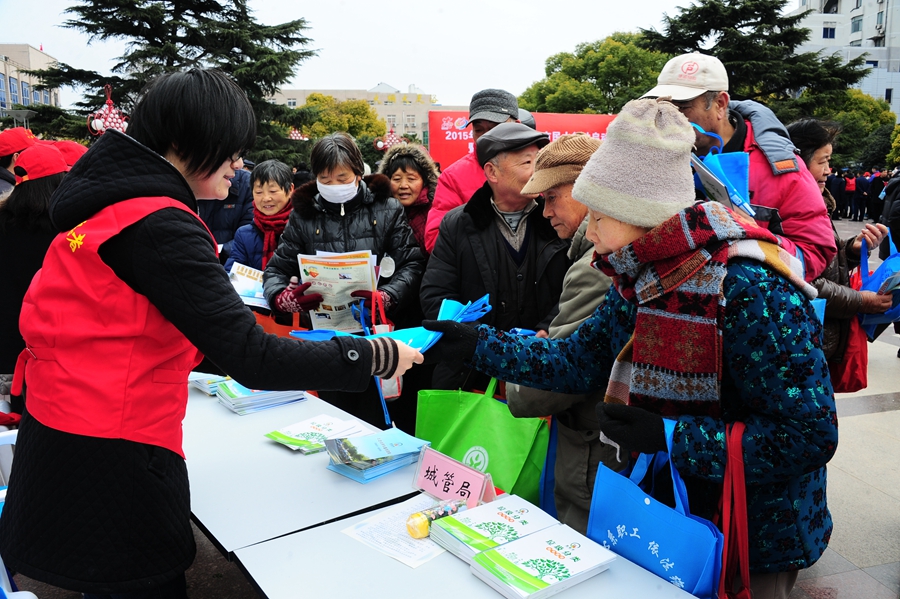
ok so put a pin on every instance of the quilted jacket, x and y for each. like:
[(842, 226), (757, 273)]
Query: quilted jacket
[(774, 378), (112, 516), (373, 221)]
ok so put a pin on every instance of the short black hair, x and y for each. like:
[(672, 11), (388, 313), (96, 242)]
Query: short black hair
[(332, 151), (200, 114), (5, 161), (811, 134), (404, 162), (28, 206), (272, 171)]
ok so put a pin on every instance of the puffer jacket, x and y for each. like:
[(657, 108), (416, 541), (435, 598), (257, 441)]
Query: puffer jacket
[(455, 187), (842, 302), (373, 221), (779, 180)]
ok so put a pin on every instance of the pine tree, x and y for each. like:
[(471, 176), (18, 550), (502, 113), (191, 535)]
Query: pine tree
[(758, 45), (172, 35)]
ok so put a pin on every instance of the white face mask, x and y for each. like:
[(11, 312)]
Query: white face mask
[(338, 194)]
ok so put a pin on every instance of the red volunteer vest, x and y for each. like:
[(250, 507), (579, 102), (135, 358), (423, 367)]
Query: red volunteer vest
[(102, 361)]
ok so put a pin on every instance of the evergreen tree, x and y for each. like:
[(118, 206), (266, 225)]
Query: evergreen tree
[(173, 35), (758, 46), (599, 77)]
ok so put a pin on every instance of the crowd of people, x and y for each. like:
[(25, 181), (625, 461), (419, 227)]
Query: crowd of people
[(616, 303)]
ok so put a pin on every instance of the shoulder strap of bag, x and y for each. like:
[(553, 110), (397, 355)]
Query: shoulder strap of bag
[(736, 553)]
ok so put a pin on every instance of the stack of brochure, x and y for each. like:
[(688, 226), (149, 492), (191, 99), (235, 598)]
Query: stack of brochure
[(241, 400), (208, 383), (371, 456), (542, 564), (309, 435), (489, 525)]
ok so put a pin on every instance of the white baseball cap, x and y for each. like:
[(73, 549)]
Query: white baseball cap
[(687, 76)]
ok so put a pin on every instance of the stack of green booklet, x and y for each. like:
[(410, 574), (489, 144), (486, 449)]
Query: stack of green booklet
[(309, 435), (541, 564), (489, 525)]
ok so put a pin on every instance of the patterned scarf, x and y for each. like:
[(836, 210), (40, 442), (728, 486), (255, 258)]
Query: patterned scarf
[(417, 215), (272, 227), (673, 363)]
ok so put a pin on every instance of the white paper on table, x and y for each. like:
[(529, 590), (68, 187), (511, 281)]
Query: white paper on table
[(386, 532)]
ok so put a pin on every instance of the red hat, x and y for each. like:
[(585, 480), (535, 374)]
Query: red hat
[(41, 160), (71, 150), (15, 140)]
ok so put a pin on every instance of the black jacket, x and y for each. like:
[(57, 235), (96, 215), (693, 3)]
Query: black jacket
[(464, 266), (225, 217), (890, 216), (109, 515), (373, 221)]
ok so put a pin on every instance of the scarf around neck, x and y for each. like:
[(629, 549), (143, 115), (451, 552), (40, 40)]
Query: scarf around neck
[(673, 363), (272, 227)]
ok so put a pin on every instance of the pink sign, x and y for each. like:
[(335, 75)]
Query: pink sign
[(444, 478), (450, 135)]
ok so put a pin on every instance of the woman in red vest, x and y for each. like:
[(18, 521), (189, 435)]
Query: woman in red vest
[(130, 298)]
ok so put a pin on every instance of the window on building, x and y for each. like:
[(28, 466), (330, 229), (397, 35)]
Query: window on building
[(46, 97), (802, 2), (858, 4), (13, 90), (35, 96), (292, 102), (855, 43), (888, 94), (872, 63), (828, 33), (855, 24), (26, 94), (410, 121), (391, 119), (3, 92), (879, 18)]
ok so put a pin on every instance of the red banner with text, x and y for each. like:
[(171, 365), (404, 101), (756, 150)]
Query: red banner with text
[(450, 137)]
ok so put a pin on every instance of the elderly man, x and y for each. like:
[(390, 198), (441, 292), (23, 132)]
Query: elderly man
[(579, 449), (698, 86), (498, 244), (460, 180)]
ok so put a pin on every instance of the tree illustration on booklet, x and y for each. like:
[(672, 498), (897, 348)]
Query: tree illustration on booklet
[(312, 437), (548, 570), (499, 532)]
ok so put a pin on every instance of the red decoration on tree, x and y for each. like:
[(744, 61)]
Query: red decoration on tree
[(108, 117), (296, 135), (390, 140)]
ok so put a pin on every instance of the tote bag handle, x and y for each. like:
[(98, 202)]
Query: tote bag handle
[(642, 464)]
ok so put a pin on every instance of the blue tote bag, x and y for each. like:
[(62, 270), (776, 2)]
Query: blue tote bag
[(682, 549), (890, 267)]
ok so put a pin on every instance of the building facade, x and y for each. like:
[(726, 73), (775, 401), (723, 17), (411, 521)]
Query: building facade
[(17, 87), (405, 112), (851, 28)]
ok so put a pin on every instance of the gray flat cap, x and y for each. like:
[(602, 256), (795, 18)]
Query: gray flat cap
[(495, 105), (507, 137)]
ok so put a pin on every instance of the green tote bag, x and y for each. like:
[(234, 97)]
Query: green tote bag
[(479, 431)]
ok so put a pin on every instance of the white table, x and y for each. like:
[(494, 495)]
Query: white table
[(246, 489), (324, 562)]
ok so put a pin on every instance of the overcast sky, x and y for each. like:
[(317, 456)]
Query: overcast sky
[(449, 48)]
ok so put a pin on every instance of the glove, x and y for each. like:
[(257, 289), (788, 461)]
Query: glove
[(293, 300), (456, 345), (633, 428), (366, 296), (875, 303)]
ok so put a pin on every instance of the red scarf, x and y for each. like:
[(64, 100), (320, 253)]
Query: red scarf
[(272, 227)]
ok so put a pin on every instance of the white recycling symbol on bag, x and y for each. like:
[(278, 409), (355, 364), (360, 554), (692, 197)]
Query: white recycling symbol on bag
[(477, 458)]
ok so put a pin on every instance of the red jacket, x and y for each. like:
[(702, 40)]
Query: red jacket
[(455, 187), (102, 361), (799, 202)]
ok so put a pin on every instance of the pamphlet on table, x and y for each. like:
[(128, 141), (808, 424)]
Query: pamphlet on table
[(309, 435), (541, 564), (368, 457), (208, 383), (335, 277), (241, 400), (489, 525)]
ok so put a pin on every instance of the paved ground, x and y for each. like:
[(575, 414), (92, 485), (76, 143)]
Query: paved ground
[(863, 559)]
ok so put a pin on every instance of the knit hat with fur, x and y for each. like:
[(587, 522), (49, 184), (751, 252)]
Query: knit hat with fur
[(561, 162), (647, 136)]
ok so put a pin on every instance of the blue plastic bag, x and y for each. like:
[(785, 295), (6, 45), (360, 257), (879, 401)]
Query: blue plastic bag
[(873, 283), (680, 548)]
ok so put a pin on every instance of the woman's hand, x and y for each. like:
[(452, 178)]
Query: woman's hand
[(406, 357), (873, 234), (875, 303), (292, 299)]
